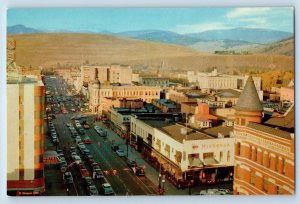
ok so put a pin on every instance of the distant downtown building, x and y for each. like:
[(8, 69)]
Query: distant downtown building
[(214, 80), (114, 73), (25, 137), (101, 96), (264, 155)]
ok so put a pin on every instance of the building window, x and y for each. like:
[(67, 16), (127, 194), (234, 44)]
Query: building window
[(208, 155), (243, 121), (238, 149), (266, 184), (228, 156), (279, 190), (252, 178)]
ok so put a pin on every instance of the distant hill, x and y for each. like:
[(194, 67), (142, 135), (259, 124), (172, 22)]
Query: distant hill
[(224, 45), (237, 39), (160, 36), (21, 29), (49, 49), (252, 35), (282, 47)]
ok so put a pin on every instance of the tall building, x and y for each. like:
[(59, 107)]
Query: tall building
[(25, 137), (264, 155)]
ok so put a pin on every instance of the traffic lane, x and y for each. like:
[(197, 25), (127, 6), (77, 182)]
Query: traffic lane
[(66, 141), (123, 182), (131, 182)]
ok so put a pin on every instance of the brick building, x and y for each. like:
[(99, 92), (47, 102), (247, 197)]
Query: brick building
[(264, 155)]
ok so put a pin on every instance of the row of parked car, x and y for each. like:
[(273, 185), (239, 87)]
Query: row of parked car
[(95, 169), (52, 133)]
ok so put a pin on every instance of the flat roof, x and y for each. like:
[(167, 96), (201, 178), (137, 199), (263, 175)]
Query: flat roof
[(270, 130)]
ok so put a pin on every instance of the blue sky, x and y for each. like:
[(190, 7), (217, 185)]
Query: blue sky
[(180, 20)]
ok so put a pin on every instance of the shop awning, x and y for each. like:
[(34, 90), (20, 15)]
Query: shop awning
[(210, 161), (196, 162)]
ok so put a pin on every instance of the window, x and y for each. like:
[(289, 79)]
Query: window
[(238, 149), (243, 121), (279, 190), (208, 155), (266, 184), (252, 178), (228, 156)]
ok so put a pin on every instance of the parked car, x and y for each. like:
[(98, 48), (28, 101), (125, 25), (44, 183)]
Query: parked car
[(98, 174), (87, 140), (77, 159), (68, 178), (107, 189), (92, 190), (120, 153), (88, 180), (84, 172), (131, 163), (114, 147)]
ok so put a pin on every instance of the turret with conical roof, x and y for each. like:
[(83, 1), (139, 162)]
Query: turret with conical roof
[(248, 107)]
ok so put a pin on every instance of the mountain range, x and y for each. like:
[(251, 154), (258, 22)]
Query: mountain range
[(237, 39)]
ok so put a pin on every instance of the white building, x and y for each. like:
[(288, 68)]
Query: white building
[(185, 154), (214, 80)]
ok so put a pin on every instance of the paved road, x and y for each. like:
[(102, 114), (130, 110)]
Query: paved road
[(123, 182)]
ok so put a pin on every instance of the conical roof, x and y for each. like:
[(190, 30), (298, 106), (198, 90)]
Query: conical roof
[(249, 100)]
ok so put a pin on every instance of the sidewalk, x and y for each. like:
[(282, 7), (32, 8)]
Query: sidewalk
[(133, 154)]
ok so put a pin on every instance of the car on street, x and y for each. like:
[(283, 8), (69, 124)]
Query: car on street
[(139, 171), (84, 172), (98, 174), (88, 180), (120, 153), (92, 190), (114, 147), (107, 189), (63, 166), (68, 178), (77, 159), (87, 140), (73, 149), (131, 163), (95, 166)]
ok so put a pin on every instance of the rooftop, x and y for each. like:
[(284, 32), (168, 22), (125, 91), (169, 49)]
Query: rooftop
[(270, 130), (166, 103), (215, 131), (287, 121), (225, 93), (249, 100), (176, 131)]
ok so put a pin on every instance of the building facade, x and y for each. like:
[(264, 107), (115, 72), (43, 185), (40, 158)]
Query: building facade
[(154, 81), (183, 156), (114, 73), (25, 137), (264, 156), (101, 94)]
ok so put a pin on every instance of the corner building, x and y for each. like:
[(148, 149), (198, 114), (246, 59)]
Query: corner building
[(264, 156)]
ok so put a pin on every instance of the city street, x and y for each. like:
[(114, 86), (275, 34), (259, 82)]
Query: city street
[(116, 172)]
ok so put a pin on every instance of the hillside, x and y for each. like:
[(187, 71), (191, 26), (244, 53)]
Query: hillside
[(73, 49), (50, 49), (282, 47)]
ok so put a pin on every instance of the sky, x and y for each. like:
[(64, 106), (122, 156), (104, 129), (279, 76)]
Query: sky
[(180, 20)]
